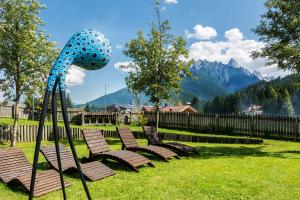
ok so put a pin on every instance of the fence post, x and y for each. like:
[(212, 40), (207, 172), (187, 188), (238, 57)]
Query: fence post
[(252, 125), (296, 132), (216, 123), (189, 121), (82, 118)]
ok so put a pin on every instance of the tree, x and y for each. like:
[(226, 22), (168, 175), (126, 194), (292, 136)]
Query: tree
[(271, 104), (69, 101), (287, 106), (136, 98), (158, 63), (25, 52), (279, 29), (195, 103), (87, 108), (33, 105)]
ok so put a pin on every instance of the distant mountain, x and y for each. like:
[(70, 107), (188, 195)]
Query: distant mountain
[(215, 78), (210, 79), (121, 96)]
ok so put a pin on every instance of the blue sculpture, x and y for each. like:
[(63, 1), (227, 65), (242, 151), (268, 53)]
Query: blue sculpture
[(88, 49)]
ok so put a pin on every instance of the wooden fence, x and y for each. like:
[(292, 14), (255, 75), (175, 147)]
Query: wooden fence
[(98, 118), (27, 133), (258, 125), (73, 115), (8, 111)]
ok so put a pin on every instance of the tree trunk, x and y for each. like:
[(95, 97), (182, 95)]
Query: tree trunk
[(157, 117), (13, 136)]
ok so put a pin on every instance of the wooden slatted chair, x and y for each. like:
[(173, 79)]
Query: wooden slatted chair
[(99, 148), (130, 143), (92, 170), (15, 169), (154, 139)]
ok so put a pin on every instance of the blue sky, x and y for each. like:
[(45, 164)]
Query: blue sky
[(218, 24)]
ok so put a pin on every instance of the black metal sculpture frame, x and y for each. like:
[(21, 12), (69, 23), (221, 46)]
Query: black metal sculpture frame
[(62, 94)]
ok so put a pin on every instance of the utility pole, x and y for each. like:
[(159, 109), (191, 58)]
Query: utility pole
[(105, 87)]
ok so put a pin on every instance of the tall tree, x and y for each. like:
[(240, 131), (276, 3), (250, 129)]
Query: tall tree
[(195, 103), (287, 106), (279, 29), (33, 105), (25, 52), (87, 108), (270, 105), (158, 62), (69, 101)]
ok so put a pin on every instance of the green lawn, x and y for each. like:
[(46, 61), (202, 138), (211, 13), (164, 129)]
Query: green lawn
[(268, 171)]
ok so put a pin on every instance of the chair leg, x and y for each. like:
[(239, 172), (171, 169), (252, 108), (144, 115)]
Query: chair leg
[(38, 142), (54, 121), (70, 138)]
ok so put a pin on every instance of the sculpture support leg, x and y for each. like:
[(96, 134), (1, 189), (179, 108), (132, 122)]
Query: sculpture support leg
[(56, 138), (38, 141), (70, 138)]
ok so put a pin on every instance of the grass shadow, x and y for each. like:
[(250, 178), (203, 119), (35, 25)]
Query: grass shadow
[(293, 152), (43, 166), (116, 166), (236, 152), (16, 187), (151, 157)]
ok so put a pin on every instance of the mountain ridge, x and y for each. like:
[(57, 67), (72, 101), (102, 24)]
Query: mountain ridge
[(210, 79)]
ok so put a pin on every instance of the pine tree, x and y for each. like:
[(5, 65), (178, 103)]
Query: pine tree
[(271, 104), (69, 101), (195, 103), (287, 106), (87, 108)]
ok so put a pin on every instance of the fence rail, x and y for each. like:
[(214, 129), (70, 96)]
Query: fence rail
[(98, 118), (258, 125), (8, 111), (27, 133)]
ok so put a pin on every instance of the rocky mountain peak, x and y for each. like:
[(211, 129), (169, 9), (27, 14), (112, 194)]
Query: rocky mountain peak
[(233, 63)]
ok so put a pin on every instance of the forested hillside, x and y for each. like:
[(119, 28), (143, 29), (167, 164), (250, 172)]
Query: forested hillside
[(279, 96)]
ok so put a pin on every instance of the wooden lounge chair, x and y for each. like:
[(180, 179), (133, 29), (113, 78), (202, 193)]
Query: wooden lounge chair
[(99, 148), (15, 169), (130, 143), (92, 170), (154, 139)]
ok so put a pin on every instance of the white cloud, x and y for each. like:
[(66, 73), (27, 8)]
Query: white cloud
[(233, 46), (234, 34), (171, 1), (75, 76), (126, 66), (119, 46), (163, 8), (202, 32)]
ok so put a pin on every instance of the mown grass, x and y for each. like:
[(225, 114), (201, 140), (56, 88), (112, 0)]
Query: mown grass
[(268, 171)]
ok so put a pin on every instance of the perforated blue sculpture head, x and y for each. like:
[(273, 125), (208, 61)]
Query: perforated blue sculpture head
[(88, 49)]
